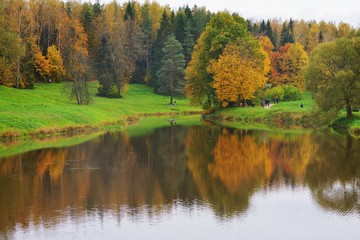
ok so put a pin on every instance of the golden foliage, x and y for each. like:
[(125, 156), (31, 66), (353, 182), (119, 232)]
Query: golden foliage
[(238, 73)]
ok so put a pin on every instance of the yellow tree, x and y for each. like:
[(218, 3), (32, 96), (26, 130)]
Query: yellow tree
[(266, 44), (222, 29), (239, 72), (41, 65), (344, 30), (77, 61), (313, 37), (51, 67), (56, 64)]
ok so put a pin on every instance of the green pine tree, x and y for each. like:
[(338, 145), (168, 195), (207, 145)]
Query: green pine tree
[(171, 74), (163, 32), (188, 42)]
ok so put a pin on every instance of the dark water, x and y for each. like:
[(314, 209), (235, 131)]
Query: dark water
[(198, 182)]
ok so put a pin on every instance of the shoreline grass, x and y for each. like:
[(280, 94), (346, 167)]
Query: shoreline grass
[(47, 110), (288, 115), (283, 114)]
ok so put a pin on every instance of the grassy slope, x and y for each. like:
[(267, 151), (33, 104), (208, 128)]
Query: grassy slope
[(48, 107)]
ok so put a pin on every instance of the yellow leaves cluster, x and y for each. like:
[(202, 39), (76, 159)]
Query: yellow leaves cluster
[(239, 72), (50, 67)]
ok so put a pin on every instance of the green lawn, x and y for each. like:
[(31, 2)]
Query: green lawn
[(47, 108), (258, 113)]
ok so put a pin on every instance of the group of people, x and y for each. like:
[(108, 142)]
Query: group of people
[(266, 102)]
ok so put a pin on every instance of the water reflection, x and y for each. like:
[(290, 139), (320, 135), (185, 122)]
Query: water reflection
[(193, 166)]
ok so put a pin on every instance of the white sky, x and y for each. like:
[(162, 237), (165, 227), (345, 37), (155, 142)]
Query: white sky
[(328, 10)]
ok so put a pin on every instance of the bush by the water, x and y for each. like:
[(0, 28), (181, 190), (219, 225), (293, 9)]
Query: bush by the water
[(284, 93)]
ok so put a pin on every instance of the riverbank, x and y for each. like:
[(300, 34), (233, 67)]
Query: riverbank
[(293, 114), (47, 110)]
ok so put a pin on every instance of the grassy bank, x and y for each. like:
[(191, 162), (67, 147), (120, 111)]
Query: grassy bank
[(284, 114), (281, 114), (48, 110)]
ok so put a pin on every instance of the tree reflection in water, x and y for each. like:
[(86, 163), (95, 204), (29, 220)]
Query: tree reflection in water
[(207, 164), (333, 175)]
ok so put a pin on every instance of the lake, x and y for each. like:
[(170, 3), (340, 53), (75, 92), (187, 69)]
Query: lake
[(185, 182)]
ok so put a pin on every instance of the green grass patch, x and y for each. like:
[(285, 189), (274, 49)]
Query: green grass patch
[(48, 109), (283, 113), (349, 125)]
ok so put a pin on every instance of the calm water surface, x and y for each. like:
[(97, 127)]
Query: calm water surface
[(197, 182)]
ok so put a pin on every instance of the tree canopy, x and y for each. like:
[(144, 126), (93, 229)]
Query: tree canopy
[(171, 74), (239, 72), (222, 29), (333, 75)]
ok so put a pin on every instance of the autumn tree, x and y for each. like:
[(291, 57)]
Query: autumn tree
[(50, 68), (9, 50), (222, 29), (239, 72), (119, 49), (288, 64), (56, 64), (171, 73), (332, 75), (313, 37), (77, 62)]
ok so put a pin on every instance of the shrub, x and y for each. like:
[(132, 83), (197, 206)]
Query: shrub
[(275, 92), (291, 93), (110, 92)]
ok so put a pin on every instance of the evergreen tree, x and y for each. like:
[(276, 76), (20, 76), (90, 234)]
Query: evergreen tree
[(249, 25), (262, 28), (163, 32), (188, 42), (104, 70), (287, 35), (129, 11), (255, 30), (188, 13), (88, 17), (171, 74), (269, 32), (200, 18), (321, 37), (143, 66), (180, 26)]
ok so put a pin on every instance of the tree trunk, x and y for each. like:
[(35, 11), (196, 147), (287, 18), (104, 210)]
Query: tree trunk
[(171, 79), (17, 71), (348, 108)]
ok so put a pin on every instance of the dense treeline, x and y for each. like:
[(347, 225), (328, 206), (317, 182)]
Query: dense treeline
[(119, 43)]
